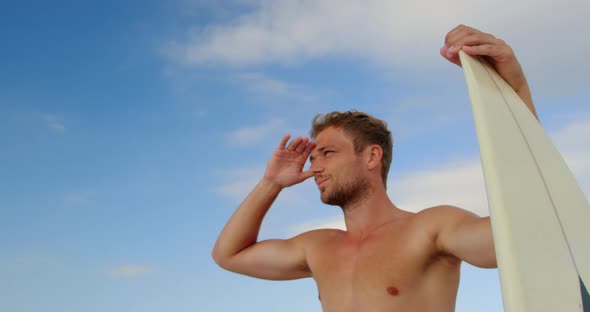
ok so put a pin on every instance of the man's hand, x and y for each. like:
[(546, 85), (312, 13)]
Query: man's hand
[(495, 51), (285, 166)]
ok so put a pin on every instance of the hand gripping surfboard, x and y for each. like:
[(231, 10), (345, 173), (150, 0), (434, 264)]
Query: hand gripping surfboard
[(540, 216)]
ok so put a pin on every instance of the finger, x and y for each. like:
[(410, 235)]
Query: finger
[(465, 44), (301, 147), (452, 58), (465, 35), (470, 40), (293, 145), (284, 141), (306, 175), (473, 40), (449, 50), (461, 28), (459, 32), (479, 39), (499, 52), (308, 149)]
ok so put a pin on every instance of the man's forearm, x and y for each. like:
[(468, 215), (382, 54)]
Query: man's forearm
[(525, 95), (241, 231)]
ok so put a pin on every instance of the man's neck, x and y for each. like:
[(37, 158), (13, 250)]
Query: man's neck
[(369, 213)]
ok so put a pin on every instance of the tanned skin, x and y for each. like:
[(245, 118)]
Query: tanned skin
[(388, 259)]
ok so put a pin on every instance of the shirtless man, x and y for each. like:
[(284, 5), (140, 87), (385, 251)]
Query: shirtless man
[(388, 259)]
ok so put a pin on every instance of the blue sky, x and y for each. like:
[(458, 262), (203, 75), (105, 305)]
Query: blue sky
[(132, 130)]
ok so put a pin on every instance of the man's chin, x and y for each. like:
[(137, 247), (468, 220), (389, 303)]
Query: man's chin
[(328, 201)]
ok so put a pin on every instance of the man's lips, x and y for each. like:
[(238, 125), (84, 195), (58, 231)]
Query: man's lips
[(321, 181)]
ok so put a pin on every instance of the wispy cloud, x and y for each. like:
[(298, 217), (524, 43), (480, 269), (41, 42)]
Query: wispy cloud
[(336, 222), (286, 30), (458, 183), (573, 141), (252, 135), (241, 182), (131, 271), (54, 123), (398, 33), (273, 90), (260, 83)]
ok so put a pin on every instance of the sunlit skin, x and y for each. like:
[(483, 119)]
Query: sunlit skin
[(344, 186), (388, 259)]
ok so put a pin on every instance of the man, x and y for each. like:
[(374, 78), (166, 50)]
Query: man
[(388, 259)]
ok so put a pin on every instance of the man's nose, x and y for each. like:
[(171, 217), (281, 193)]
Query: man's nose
[(316, 168)]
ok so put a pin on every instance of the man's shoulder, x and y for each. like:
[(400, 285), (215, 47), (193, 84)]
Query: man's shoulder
[(444, 210), (318, 239), (318, 235), (321, 233), (444, 215)]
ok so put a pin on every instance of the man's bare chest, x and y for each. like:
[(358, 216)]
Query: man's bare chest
[(390, 257), (391, 269)]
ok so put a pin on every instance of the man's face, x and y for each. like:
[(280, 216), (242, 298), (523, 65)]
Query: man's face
[(341, 176)]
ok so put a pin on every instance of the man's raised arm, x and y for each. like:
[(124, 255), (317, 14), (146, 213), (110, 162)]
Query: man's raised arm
[(499, 54), (237, 248), (463, 234)]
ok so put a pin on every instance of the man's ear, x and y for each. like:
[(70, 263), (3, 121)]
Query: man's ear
[(375, 153)]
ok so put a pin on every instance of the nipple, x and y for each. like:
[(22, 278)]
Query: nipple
[(392, 291)]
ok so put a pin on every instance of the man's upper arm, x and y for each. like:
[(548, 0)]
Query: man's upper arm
[(274, 259), (467, 237)]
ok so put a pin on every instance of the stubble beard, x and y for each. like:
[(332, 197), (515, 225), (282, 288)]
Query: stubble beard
[(347, 193)]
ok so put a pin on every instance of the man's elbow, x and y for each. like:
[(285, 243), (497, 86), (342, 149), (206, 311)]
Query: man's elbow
[(215, 256), (220, 258)]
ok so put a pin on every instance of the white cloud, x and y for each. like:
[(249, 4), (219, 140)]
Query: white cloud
[(336, 222), (390, 32), (293, 31), (241, 182), (271, 91), (54, 123), (459, 184), (251, 135), (573, 141), (131, 271), (398, 35), (259, 83)]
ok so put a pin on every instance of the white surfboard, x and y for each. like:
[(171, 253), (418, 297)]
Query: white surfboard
[(540, 216)]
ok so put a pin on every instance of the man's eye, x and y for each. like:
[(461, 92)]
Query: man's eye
[(327, 152)]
